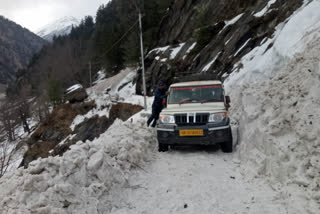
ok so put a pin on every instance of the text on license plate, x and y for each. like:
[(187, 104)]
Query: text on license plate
[(193, 132)]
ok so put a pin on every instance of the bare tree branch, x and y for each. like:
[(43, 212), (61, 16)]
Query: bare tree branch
[(6, 154)]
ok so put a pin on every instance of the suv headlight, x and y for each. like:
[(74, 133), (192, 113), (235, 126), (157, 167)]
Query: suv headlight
[(217, 117), (167, 119)]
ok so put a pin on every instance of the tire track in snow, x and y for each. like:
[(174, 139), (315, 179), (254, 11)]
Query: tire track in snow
[(197, 181)]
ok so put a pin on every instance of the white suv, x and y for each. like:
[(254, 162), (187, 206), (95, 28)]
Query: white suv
[(196, 114)]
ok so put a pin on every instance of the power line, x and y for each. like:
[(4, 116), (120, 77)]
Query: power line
[(121, 38), (116, 43), (141, 47)]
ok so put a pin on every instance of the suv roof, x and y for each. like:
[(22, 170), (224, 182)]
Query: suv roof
[(195, 83)]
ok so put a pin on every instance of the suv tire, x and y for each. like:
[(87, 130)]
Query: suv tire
[(163, 147), (227, 147)]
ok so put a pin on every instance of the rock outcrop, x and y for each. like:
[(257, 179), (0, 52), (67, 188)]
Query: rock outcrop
[(54, 137), (210, 37), (51, 132), (123, 111), (91, 128), (75, 96)]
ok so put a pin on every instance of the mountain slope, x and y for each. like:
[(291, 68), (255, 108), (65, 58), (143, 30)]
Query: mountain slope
[(210, 37), (121, 172), (60, 27), (274, 87), (17, 46)]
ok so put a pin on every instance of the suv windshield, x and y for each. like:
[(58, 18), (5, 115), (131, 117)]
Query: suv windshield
[(195, 94)]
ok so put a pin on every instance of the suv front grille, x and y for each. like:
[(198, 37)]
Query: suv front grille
[(191, 119)]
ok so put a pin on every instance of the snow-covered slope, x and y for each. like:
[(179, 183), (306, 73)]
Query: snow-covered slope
[(276, 103), (275, 168), (121, 172), (60, 27), (86, 179)]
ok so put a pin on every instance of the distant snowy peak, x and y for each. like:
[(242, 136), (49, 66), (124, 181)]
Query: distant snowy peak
[(60, 27)]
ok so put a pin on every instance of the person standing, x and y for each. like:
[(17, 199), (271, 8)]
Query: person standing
[(159, 95)]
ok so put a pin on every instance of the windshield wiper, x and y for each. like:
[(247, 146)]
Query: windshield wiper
[(185, 101), (199, 101), (211, 100)]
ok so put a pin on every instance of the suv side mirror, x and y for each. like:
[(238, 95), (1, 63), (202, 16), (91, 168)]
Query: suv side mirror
[(228, 100)]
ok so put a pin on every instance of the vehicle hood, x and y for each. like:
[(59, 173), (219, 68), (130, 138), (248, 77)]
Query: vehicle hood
[(194, 107)]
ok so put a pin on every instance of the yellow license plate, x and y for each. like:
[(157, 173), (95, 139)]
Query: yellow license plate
[(191, 132)]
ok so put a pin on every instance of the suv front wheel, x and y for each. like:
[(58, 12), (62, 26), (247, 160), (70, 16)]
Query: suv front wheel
[(227, 147), (163, 147)]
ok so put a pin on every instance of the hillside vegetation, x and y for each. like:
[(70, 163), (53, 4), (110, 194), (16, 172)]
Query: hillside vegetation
[(17, 46), (67, 59)]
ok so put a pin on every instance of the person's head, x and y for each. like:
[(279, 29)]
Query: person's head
[(194, 93), (161, 84)]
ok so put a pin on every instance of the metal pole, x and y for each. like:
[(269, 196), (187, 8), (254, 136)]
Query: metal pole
[(90, 73), (142, 63)]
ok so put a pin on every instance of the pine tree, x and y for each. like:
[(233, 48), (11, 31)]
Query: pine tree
[(55, 91)]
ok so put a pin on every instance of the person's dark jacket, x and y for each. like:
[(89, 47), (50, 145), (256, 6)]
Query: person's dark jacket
[(159, 95)]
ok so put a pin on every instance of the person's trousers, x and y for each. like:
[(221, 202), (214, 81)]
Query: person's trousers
[(154, 117)]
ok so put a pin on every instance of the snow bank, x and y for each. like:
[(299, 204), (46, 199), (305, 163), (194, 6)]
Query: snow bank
[(82, 181), (299, 30), (89, 177), (290, 38), (275, 100), (279, 121)]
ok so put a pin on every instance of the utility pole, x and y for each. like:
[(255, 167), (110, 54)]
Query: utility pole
[(90, 74), (142, 63)]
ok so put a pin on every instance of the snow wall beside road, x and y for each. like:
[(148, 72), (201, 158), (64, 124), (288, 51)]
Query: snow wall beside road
[(78, 181), (278, 110)]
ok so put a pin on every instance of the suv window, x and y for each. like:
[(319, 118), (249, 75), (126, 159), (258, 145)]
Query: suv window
[(195, 94)]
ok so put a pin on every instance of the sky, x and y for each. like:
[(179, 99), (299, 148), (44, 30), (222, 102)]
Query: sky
[(34, 14)]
